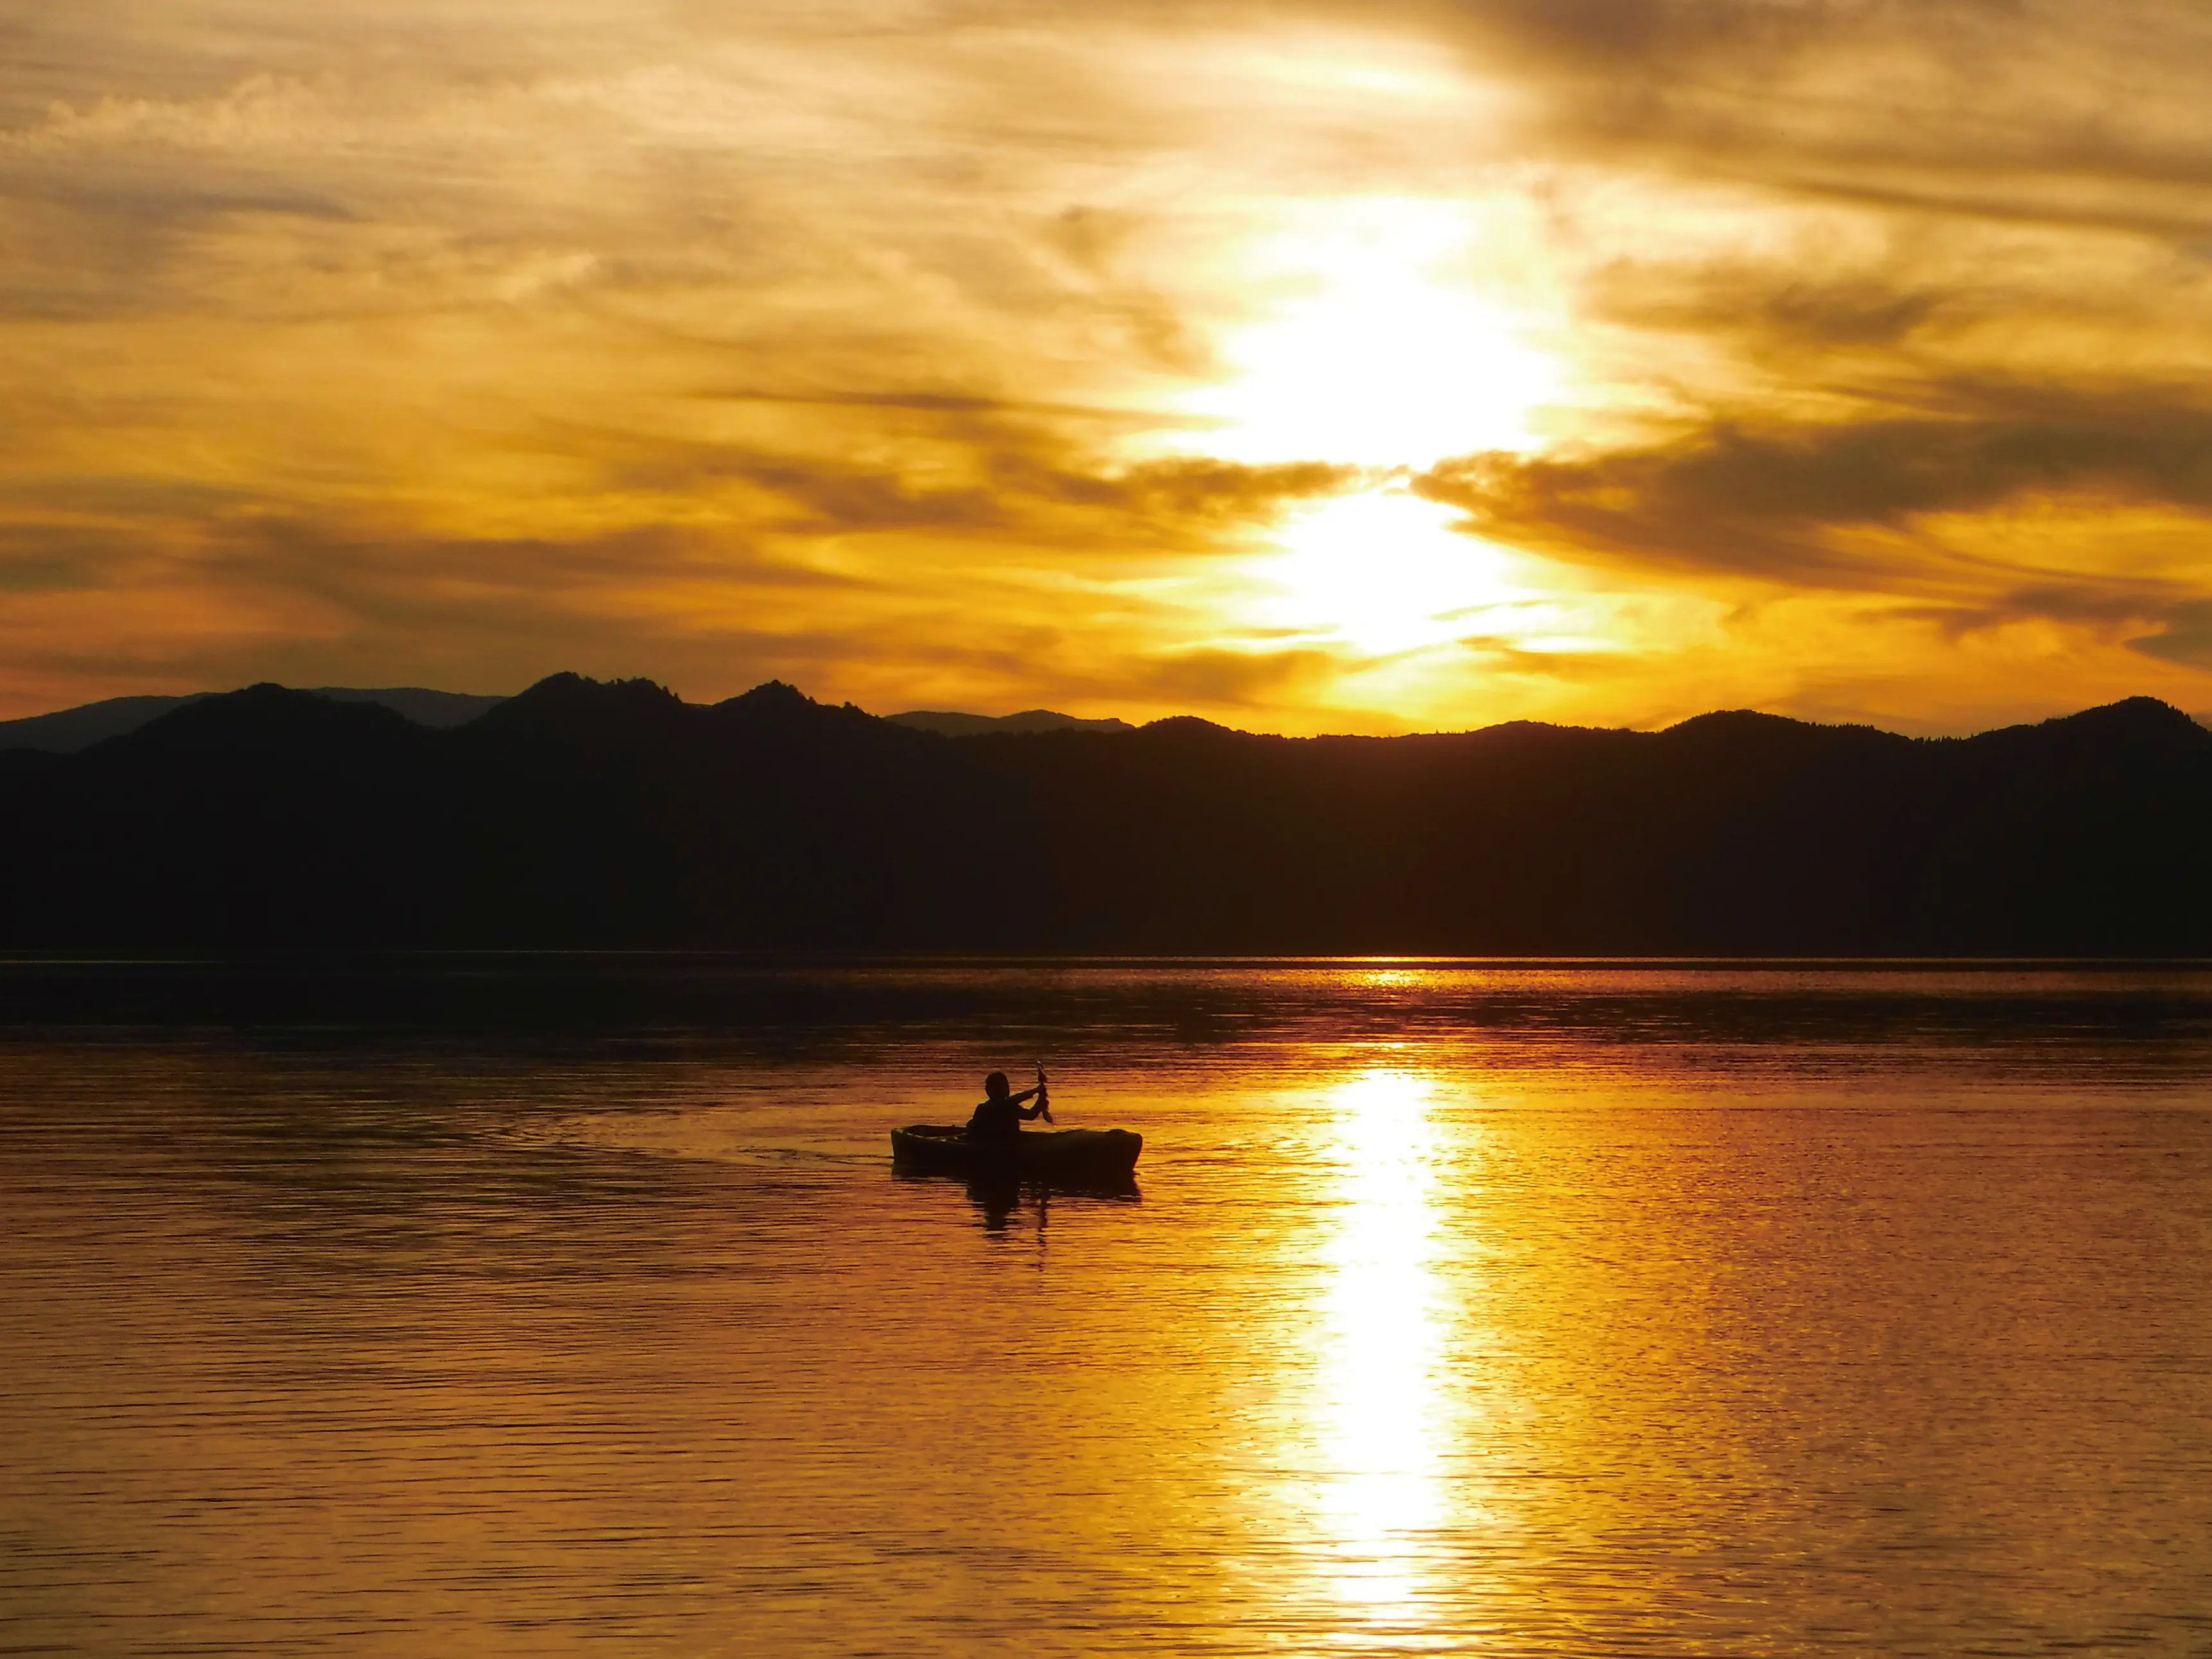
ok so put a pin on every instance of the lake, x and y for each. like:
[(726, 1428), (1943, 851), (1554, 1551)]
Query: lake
[(547, 1305)]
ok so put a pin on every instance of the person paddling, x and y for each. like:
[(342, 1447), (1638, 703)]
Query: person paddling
[(1001, 1114)]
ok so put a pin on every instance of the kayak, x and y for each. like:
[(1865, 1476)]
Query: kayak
[(1062, 1154)]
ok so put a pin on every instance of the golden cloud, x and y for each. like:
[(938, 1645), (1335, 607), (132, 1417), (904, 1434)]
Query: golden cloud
[(1830, 358)]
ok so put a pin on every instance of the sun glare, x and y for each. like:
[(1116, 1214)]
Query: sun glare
[(1380, 572), (1374, 343), (1382, 353), (1381, 1372)]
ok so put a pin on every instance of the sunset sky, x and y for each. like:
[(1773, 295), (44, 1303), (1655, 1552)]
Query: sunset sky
[(1409, 364)]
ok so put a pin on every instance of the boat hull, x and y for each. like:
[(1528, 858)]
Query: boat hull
[(1058, 1155)]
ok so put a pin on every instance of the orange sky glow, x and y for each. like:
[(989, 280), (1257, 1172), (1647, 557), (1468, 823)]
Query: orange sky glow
[(1413, 364)]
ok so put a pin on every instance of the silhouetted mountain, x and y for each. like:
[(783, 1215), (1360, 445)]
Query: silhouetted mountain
[(68, 730), (948, 724), (435, 709), (589, 815)]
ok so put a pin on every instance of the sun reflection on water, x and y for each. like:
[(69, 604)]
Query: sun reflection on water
[(1381, 1396)]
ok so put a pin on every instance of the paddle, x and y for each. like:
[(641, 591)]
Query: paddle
[(1044, 1105)]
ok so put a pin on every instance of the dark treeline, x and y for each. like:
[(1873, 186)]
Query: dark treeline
[(581, 814)]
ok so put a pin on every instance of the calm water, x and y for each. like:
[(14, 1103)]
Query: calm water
[(543, 1307)]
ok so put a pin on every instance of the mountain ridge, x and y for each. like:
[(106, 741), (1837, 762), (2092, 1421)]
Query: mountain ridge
[(582, 813), (65, 730), (948, 723)]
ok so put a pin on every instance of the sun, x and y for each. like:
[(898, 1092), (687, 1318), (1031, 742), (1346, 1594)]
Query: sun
[(1373, 343), (1382, 573), (1382, 350)]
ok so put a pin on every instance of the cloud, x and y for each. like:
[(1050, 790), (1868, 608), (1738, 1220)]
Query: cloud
[(1773, 500), (2186, 638), (1233, 679), (860, 342), (1193, 498), (1504, 653), (1780, 309), (2036, 109)]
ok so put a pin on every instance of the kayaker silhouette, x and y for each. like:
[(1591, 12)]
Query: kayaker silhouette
[(992, 1140), (1000, 1117)]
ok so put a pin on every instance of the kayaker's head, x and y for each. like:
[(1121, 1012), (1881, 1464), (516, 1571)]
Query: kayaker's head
[(996, 1085)]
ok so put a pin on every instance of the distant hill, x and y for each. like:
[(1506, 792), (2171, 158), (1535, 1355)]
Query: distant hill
[(583, 814), (947, 724), (68, 730)]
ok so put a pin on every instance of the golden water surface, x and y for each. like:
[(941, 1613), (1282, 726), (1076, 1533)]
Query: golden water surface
[(1459, 1309)]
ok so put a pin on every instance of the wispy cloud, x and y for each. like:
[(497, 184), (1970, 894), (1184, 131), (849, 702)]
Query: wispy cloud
[(872, 343)]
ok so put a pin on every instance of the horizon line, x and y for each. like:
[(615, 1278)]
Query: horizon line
[(2202, 720)]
